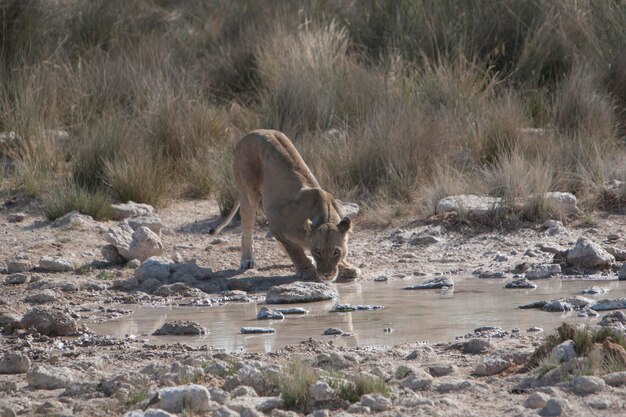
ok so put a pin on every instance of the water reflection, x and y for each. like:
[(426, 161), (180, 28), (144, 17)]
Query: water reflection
[(431, 315)]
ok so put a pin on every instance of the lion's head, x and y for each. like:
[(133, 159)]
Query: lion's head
[(328, 244)]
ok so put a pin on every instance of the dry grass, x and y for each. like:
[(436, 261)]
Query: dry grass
[(393, 104)]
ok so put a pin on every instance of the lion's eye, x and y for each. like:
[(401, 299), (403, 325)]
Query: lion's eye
[(317, 251), (337, 252)]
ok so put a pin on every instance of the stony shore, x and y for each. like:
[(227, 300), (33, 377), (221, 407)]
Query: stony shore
[(51, 363)]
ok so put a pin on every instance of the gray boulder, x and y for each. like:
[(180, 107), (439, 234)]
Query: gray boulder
[(110, 253), (491, 366), (50, 322), (543, 271), (41, 377), (74, 220), (267, 314), (300, 292), (55, 264), (437, 282), (563, 204), (19, 265), (179, 327), (190, 398), (614, 319), (376, 402), (609, 304), (145, 244), (121, 236), (589, 255), (14, 363), (155, 267), (563, 352), (584, 385), (473, 205)]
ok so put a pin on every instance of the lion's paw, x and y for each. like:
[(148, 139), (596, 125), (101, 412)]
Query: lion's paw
[(247, 264), (348, 273)]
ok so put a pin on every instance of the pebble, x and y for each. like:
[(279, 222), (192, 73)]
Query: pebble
[(595, 290), (292, 310), (342, 308), (534, 329)]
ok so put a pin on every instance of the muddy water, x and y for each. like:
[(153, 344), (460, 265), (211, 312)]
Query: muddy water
[(426, 315)]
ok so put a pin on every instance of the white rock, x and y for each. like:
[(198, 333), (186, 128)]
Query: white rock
[(19, 265), (587, 254), (584, 385), (145, 244), (543, 271), (74, 220), (153, 412), (321, 391), (55, 264), (299, 292), (417, 381), (152, 222), (470, 204), (561, 203), (453, 385), (615, 379), (491, 366), (376, 402), (121, 237), (131, 209), (348, 209), (564, 352), (155, 267), (554, 407), (41, 377), (219, 395), (192, 398), (536, 400)]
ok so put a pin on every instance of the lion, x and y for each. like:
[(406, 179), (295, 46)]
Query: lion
[(300, 213)]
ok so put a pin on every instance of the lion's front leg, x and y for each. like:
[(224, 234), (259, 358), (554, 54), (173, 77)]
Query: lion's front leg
[(348, 272), (305, 270)]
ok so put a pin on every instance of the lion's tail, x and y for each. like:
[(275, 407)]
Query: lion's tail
[(226, 221)]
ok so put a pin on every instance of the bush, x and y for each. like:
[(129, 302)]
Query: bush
[(67, 197)]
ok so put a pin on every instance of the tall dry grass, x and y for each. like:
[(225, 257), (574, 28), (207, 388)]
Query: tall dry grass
[(393, 104)]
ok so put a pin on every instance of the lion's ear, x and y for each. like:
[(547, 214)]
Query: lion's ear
[(345, 225), (309, 226)]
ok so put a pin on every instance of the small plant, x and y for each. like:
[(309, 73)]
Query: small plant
[(136, 397), (85, 269), (69, 197), (359, 384), (294, 384), (106, 275)]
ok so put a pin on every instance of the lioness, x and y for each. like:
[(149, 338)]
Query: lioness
[(301, 215)]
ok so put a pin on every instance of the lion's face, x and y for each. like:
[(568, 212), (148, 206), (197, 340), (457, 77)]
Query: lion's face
[(329, 246)]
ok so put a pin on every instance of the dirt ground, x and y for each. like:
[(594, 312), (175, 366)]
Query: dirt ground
[(108, 376)]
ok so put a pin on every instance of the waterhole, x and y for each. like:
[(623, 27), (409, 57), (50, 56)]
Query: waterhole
[(423, 315)]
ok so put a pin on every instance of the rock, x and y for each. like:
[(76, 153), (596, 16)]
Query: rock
[(224, 411), (437, 282), (266, 314), (376, 402), (50, 322), (595, 290), (520, 283), (534, 329), (476, 346), (348, 209), (320, 391), (177, 289), (554, 407), (614, 319), (145, 244), (453, 385), (16, 279), (14, 363), (472, 205), (121, 236), (491, 366), (563, 352), (356, 408), (417, 381), (619, 254), (536, 400), (534, 304), (253, 330), (9, 322), (16, 217), (584, 385), (133, 264), (41, 377), (74, 220), (558, 305), (43, 297), (184, 271), (243, 391), (424, 240), (344, 308), (219, 395), (438, 370), (6, 409), (615, 379), (599, 404), (590, 255), (543, 271), (179, 327), (189, 398), (130, 209), (421, 353), (621, 275), (333, 331), (607, 304), (127, 284), (110, 253), (19, 265), (562, 204), (153, 412), (292, 310), (151, 221), (55, 264), (249, 375), (299, 292), (156, 267)]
